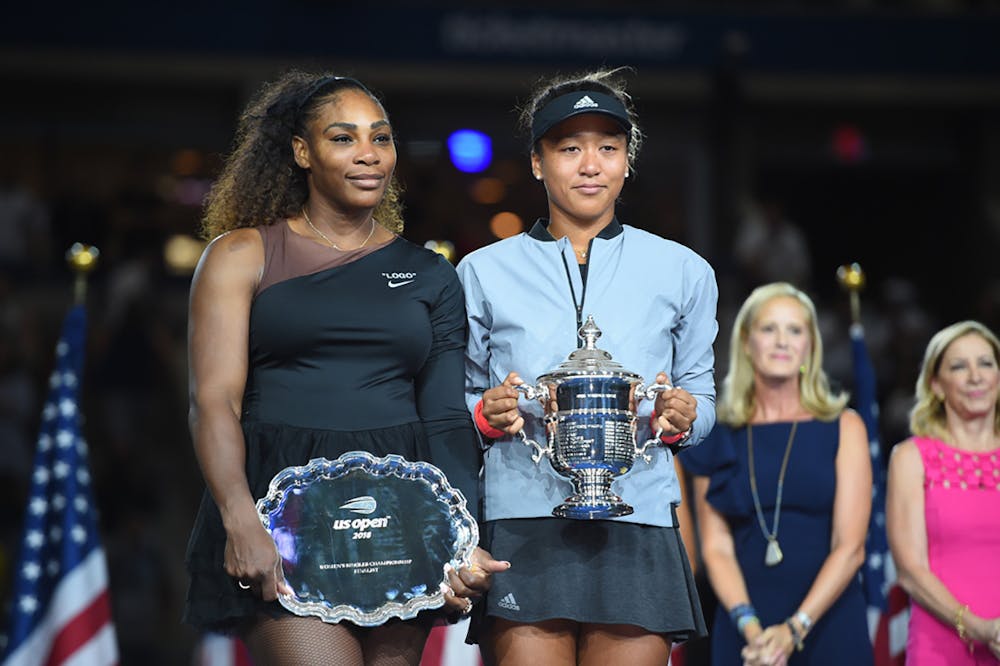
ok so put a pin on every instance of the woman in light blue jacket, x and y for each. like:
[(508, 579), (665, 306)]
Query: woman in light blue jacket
[(586, 591)]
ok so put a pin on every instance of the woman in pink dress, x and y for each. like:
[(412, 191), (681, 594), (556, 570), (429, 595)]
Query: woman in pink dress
[(943, 503)]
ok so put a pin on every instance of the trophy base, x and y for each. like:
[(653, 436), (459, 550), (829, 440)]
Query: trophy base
[(582, 508), (592, 499)]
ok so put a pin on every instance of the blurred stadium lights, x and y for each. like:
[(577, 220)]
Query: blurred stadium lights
[(445, 248), (488, 191), (185, 191), (187, 162), (506, 224), (471, 151), (181, 253), (511, 171), (848, 144)]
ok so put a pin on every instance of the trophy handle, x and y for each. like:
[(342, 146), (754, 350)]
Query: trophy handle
[(643, 392), (539, 450), (534, 393), (649, 393), (640, 451)]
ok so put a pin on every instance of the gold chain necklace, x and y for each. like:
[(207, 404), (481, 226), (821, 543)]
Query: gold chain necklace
[(332, 244), (773, 554)]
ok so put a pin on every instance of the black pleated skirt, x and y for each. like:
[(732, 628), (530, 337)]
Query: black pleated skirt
[(599, 571)]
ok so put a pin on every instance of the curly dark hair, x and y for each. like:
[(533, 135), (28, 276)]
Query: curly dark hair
[(607, 81), (260, 181)]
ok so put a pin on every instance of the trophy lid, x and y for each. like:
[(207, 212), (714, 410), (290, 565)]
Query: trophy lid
[(589, 360)]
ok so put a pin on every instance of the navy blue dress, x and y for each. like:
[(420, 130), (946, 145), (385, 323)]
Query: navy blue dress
[(841, 635)]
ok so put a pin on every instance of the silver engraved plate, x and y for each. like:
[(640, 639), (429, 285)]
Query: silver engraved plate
[(591, 435), (366, 539)]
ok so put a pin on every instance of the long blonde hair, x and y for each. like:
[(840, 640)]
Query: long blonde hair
[(737, 400), (927, 418)]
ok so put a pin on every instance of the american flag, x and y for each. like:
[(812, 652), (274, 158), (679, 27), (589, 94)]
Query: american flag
[(887, 608), (61, 613)]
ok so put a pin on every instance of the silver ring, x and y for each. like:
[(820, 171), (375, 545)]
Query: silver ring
[(468, 608), (242, 584)]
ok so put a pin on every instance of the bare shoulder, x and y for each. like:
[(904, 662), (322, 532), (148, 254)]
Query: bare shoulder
[(905, 457), (906, 474), (238, 242), (236, 254), (852, 428)]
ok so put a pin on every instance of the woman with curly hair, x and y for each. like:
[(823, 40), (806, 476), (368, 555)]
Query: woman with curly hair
[(943, 502), (617, 589), (315, 330), (783, 494)]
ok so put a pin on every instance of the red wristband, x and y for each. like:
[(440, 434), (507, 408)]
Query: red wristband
[(484, 426), (668, 439), (673, 439)]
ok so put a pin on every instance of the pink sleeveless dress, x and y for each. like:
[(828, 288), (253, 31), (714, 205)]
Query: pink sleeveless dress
[(962, 513)]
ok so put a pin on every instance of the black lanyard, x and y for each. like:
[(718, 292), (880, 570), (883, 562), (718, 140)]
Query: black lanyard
[(584, 269)]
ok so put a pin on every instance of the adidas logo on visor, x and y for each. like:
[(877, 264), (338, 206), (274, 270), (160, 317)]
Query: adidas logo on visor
[(585, 103)]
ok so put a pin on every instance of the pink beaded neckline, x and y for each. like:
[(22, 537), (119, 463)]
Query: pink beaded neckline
[(951, 468)]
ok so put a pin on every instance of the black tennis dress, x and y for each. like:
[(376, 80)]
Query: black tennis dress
[(348, 351)]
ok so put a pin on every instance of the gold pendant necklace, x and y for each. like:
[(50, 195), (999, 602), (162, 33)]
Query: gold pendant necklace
[(773, 554), (332, 244)]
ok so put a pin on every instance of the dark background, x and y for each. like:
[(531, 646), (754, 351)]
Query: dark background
[(870, 128)]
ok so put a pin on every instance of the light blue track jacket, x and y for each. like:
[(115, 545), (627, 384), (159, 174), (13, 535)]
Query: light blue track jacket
[(655, 303)]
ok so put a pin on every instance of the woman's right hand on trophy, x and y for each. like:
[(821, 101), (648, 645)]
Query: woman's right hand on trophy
[(500, 405), (675, 408)]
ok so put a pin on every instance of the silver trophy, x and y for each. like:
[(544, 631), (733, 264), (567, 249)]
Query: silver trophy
[(592, 432)]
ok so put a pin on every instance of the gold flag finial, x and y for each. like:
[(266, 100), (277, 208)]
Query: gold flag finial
[(852, 278), (82, 259)]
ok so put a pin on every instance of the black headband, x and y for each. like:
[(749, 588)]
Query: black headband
[(325, 82), (573, 104)]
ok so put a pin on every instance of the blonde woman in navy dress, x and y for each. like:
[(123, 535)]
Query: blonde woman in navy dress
[(783, 494)]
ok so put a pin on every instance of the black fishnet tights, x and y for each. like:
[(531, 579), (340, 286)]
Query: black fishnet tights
[(308, 641)]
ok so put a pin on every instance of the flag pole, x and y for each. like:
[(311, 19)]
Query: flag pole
[(852, 278), (82, 259), (882, 594), (61, 605)]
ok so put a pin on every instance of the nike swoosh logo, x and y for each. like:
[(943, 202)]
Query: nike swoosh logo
[(393, 285)]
